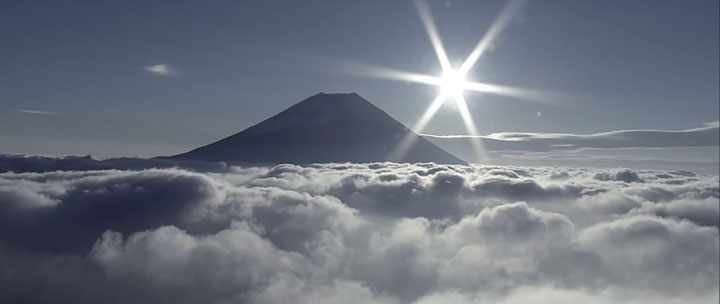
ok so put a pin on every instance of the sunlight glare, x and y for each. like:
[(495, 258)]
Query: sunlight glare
[(542, 96), (506, 15), (431, 29), (407, 141), (452, 83), (470, 127)]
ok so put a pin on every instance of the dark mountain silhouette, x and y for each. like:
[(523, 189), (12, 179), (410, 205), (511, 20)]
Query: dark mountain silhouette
[(320, 129)]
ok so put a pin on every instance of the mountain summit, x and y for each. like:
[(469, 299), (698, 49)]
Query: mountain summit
[(321, 129)]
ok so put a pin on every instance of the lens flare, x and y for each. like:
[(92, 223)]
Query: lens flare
[(452, 82), (401, 149)]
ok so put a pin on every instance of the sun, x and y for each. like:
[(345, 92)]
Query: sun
[(452, 83)]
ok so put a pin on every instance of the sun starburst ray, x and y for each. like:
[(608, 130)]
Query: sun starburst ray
[(452, 81), (431, 29), (541, 96), (470, 127), (380, 72), (407, 76), (510, 9), (402, 148)]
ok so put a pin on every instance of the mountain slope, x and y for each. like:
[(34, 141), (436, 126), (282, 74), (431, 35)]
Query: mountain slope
[(320, 129)]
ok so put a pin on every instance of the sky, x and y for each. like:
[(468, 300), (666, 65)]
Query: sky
[(147, 78)]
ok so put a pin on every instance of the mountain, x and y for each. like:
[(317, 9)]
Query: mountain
[(321, 129)]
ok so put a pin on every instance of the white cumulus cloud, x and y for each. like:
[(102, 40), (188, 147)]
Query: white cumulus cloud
[(143, 232)]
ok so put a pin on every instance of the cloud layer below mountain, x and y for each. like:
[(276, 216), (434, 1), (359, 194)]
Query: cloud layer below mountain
[(358, 233)]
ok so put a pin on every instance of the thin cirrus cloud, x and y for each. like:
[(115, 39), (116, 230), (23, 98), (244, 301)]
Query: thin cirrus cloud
[(363, 233), (694, 148), (162, 70), (37, 112), (705, 136)]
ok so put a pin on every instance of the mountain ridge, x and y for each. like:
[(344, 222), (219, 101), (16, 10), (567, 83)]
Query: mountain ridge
[(323, 128)]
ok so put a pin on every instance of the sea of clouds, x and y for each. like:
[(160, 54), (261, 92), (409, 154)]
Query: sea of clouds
[(356, 233)]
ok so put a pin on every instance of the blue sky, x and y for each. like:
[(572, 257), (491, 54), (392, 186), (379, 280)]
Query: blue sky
[(625, 65)]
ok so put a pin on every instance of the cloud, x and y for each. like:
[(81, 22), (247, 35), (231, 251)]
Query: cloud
[(162, 70), (644, 245), (127, 202), (690, 148), (22, 163), (626, 175), (707, 135), (38, 112), (703, 212), (354, 233)]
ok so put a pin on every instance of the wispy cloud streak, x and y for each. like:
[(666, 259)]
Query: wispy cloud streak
[(37, 112), (162, 70)]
